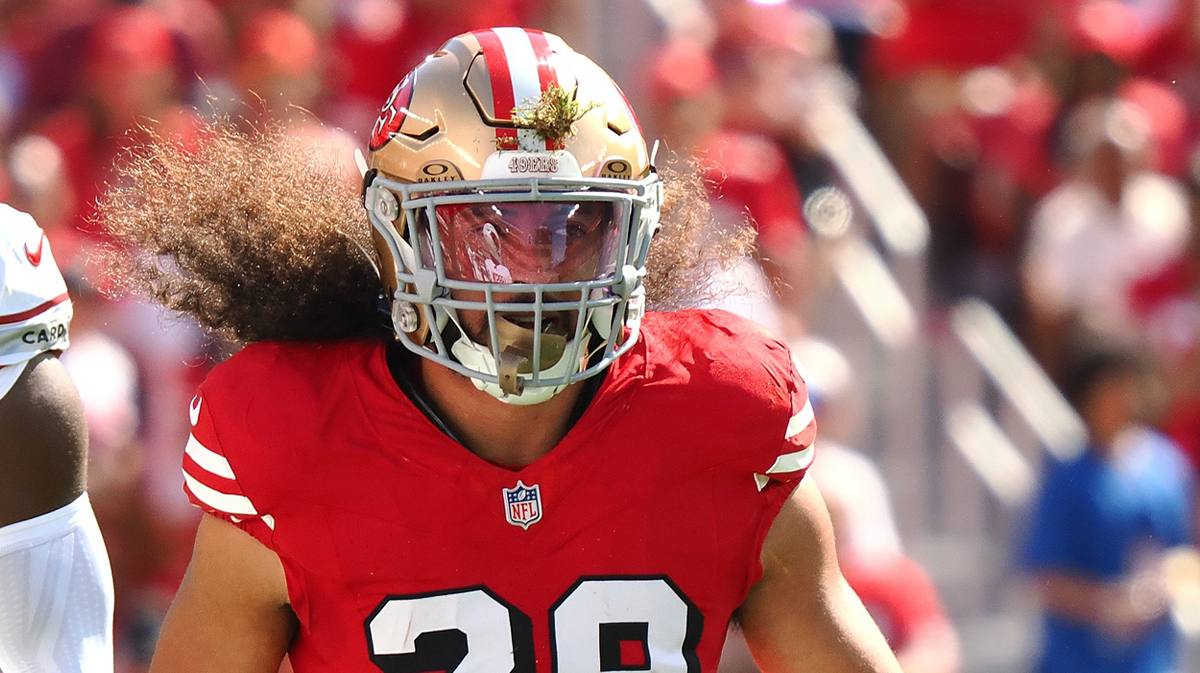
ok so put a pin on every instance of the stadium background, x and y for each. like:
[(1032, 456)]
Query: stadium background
[(892, 154)]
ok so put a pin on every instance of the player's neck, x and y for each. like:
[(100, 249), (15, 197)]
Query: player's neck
[(506, 434)]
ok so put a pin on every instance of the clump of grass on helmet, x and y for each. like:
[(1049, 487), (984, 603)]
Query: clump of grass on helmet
[(553, 115)]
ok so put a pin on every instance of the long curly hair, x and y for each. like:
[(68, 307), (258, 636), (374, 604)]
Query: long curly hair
[(258, 235)]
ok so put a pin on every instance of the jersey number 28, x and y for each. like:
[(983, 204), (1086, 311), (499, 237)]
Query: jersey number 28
[(599, 624)]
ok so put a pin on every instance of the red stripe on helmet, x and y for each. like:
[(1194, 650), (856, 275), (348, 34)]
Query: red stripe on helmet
[(547, 75), (503, 99)]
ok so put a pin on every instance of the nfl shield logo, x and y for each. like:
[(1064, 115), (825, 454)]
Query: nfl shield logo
[(523, 505)]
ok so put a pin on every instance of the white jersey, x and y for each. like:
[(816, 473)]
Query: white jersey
[(35, 312)]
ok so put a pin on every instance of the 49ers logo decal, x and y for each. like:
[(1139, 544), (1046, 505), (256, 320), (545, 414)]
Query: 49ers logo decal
[(393, 113), (532, 164)]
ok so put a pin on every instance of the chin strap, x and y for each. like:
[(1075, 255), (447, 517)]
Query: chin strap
[(516, 353)]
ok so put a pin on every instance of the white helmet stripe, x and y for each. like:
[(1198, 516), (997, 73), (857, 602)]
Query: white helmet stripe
[(527, 85)]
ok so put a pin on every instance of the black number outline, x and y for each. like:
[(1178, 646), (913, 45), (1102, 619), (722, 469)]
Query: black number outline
[(520, 625), (693, 629)]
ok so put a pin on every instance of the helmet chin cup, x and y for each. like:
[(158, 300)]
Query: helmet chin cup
[(512, 361), (517, 347)]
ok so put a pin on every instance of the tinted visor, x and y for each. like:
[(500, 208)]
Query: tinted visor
[(529, 242)]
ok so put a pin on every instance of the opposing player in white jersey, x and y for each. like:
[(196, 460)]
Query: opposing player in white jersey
[(56, 593)]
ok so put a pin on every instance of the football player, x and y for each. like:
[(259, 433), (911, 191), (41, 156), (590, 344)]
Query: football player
[(56, 593), (528, 472)]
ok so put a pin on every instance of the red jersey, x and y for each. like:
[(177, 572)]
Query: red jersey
[(626, 547)]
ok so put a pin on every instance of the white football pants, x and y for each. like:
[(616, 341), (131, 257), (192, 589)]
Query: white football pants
[(56, 594)]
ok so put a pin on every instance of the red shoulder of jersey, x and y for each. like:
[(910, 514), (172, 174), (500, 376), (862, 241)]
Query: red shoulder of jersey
[(250, 419), (736, 383)]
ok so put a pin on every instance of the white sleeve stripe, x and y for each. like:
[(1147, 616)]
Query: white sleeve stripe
[(788, 462), (222, 502), (800, 422), (266, 518), (208, 459)]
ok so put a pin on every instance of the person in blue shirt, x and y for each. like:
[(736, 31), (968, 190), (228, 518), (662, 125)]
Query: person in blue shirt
[(1102, 526)]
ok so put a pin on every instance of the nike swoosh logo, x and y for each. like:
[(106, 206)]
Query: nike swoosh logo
[(194, 409), (35, 258)]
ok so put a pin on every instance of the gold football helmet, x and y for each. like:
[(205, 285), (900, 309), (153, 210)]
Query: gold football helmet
[(513, 201)]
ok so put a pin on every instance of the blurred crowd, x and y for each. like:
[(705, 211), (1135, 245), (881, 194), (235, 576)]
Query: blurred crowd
[(1051, 144)]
